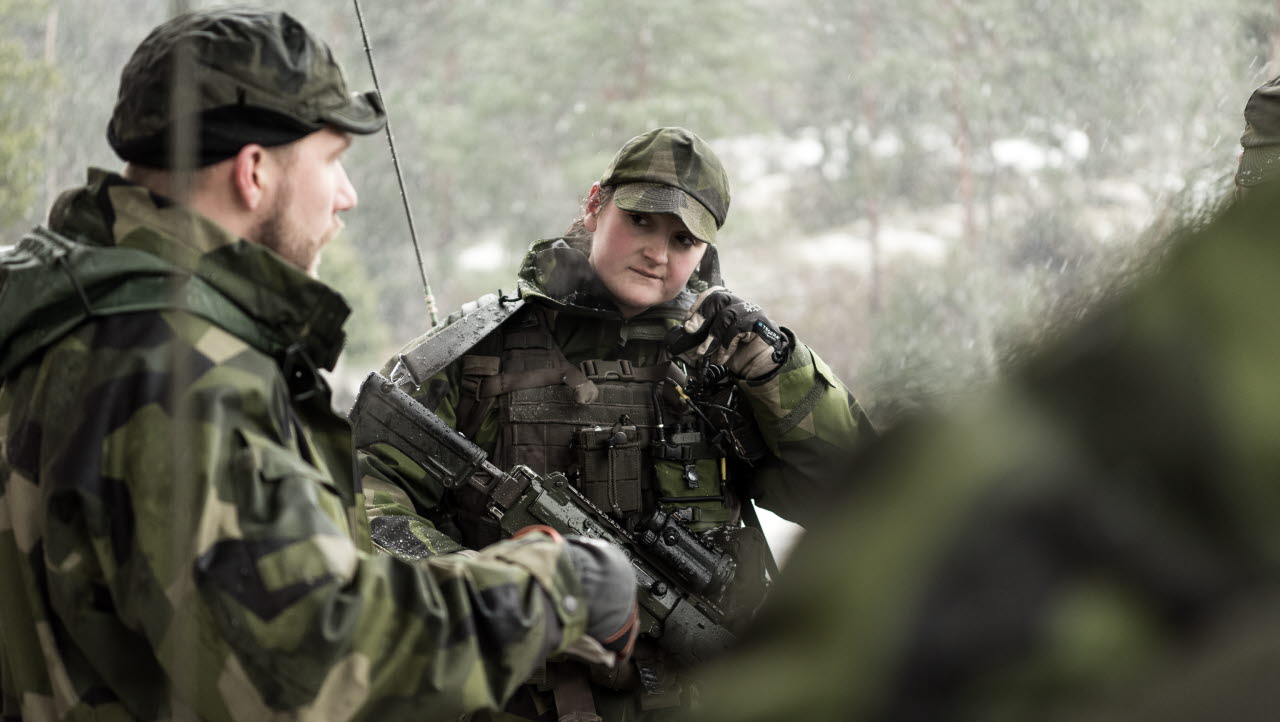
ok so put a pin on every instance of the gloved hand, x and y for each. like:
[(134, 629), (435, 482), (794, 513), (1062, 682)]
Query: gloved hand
[(609, 591), (609, 584), (733, 333)]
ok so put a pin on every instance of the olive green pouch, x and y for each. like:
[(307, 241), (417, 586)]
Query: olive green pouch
[(609, 467)]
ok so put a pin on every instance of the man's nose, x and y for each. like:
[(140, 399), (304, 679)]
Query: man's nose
[(346, 198)]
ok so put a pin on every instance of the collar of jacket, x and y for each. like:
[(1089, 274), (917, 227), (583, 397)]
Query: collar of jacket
[(559, 276), (290, 306)]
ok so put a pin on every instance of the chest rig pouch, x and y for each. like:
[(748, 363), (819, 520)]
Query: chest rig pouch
[(607, 466)]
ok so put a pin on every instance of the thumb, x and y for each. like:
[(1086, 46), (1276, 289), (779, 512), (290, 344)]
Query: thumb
[(702, 297)]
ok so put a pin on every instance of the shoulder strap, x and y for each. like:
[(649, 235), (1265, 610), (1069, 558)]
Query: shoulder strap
[(443, 347), (57, 284), (483, 361)]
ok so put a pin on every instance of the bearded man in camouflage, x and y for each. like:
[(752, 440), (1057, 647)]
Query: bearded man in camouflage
[(624, 321), (182, 529)]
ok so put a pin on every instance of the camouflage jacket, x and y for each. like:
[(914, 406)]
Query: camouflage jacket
[(1095, 539), (181, 531)]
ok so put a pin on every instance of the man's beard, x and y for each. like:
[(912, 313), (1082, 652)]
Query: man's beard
[(275, 233)]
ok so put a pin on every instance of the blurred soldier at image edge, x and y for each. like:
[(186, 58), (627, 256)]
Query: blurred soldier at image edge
[(1260, 143), (1093, 539)]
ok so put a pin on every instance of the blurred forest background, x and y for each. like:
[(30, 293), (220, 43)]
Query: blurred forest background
[(921, 189)]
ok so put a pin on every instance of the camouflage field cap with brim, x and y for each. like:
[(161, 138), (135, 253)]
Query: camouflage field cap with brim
[(671, 170), (1260, 160), (249, 76)]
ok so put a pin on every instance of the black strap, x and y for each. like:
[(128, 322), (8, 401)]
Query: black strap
[(804, 408)]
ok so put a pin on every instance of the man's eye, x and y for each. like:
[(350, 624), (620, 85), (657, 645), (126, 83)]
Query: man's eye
[(639, 219), (686, 242)]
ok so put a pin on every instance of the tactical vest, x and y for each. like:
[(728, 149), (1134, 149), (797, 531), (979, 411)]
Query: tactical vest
[(628, 440), (620, 432)]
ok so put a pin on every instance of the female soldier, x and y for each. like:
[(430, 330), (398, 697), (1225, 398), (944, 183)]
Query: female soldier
[(631, 370)]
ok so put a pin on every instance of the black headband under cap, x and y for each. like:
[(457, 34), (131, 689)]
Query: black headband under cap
[(219, 134)]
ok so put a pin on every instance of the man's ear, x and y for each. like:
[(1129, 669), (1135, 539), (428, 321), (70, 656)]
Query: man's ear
[(251, 175), (593, 208)]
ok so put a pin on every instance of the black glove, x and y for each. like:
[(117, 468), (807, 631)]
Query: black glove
[(731, 332), (609, 584)]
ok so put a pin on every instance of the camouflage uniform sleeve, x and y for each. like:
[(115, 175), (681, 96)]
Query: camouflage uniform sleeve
[(811, 424), (395, 523), (188, 536), (406, 509)]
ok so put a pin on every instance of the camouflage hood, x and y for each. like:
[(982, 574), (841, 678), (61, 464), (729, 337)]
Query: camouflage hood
[(557, 271), (280, 307)]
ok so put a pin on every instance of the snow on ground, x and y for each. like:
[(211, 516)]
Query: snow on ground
[(486, 255), (854, 251), (1028, 156)]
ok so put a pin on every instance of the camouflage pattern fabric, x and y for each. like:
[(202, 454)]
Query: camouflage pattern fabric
[(1260, 143), (258, 67), (182, 535), (1096, 539), (809, 420), (671, 170)]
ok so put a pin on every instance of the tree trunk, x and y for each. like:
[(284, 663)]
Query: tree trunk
[(50, 139), (964, 145), (961, 48), (871, 120)]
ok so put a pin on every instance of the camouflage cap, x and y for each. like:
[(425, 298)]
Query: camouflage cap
[(1260, 160), (255, 76), (671, 170)]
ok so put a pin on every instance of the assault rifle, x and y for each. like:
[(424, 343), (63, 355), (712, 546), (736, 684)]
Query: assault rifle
[(677, 576)]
